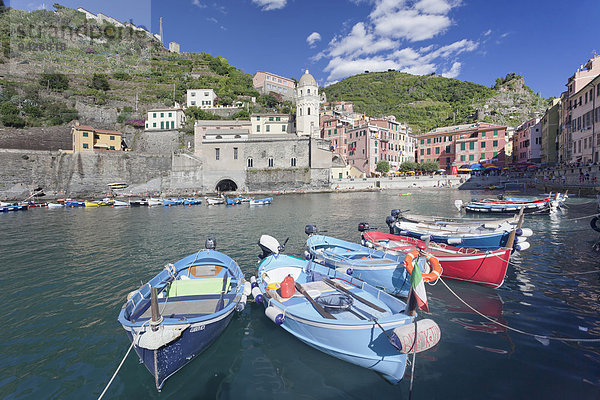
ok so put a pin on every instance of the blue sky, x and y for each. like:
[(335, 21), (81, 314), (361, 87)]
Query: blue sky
[(472, 40)]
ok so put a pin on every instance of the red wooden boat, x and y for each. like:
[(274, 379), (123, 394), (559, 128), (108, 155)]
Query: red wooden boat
[(484, 267)]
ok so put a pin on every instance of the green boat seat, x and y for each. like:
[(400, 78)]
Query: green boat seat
[(190, 287)]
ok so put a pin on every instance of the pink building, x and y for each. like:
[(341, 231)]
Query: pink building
[(339, 106), (335, 130), (527, 142), (463, 144), (571, 132), (379, 140), (585, 116), (266, 82)]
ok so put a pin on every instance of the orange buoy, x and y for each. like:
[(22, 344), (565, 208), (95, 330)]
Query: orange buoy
[(436, 268)]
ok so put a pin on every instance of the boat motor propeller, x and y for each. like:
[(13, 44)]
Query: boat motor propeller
[(282, 247), (211, 243)]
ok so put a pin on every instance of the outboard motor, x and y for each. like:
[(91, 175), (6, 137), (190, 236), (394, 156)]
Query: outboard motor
[(211, 243), (396, 213), (390, 220), (311, 230), (363, 227), (269, 245)]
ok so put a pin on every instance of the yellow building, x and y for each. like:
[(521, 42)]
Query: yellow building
[(86, 138)]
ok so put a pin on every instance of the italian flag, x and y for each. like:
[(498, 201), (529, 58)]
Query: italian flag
[(418, 288)]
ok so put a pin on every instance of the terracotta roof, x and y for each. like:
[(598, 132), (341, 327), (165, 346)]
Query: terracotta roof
[(83, 127), (105, 131)]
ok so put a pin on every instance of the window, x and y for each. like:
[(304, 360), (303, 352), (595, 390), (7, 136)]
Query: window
[(293, 162), (153, 115), (154, 124), (258, 117), (268, 128), (85, 134), (169, 114), (193, 94), (428, 140), (482, 134), (471, 157), (471, 145), (482, 156), (495, 143), (162, 125), (250, 162), (422, 152), (162, 115), (257, 128), (495, 154), (172, 124), (270, 118), (422, 141), (112, 138), (448, 149), (308, 111), (437, 150), (428, 151), (307, 91), (85, 146), (462, 146), (462, 158), (235, 153), (270, 161), (217, 153), (483, 145), (283, 128), (111, 147)]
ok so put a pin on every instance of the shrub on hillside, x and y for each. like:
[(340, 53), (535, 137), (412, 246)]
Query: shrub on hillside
[(55, 81)]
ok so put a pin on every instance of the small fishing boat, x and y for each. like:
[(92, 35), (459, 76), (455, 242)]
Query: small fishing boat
[(55, 205), (120, 203), (260, 202), (211, 201), (232, 202), (483, 267), (74, 204), (91, 204), (379, 268), (172, 202), (191, 201), (106, 202), (338, 314), (487, 223), (154, 202), (244, 199), (467, 236), (182, 310), (13, 207), (499, 207), (138, 203)]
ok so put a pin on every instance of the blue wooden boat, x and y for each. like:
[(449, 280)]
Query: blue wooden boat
[(376, 267), (231, 202), (13, 207), (172, 202), (474, 237), (366, 332), (191, 201), (260, 202), (73, 204), (193, 301)]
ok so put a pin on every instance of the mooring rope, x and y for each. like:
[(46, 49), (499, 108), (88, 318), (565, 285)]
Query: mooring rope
[(116, 372), (562, 339)]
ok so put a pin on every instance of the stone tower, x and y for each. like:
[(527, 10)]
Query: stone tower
[(307, 106)]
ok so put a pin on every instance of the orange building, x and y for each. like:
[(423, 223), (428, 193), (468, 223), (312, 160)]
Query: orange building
[(86, 138)]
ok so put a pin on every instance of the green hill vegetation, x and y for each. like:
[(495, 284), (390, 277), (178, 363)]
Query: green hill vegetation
[(427, 102), (52, 62)]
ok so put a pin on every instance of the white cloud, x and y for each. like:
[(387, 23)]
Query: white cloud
[(487, 33), (453, 71), (312, 39), (212, 19), (376, 44), (268, 5), (198, 4)]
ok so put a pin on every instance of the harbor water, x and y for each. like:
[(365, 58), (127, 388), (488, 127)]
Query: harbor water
[(65, 273)]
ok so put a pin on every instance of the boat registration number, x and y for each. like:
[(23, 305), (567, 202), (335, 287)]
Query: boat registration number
[(197, 328)]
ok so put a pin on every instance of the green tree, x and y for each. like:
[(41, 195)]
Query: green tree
[(99, 82), (13, 120), (8, 108), (383, 166), (409, 166), (55, 81), (429, 166)]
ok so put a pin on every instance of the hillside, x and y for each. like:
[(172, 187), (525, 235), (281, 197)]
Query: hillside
[(56, 66), (426, 102)]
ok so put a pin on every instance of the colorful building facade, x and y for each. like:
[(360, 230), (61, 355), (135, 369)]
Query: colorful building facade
[(266, 82), (527, 142), (86, 138), (463, 144)]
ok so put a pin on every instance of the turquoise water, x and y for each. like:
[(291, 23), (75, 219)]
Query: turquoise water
[(65, 274)]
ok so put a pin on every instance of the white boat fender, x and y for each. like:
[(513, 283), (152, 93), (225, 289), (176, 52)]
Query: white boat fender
[(347, 271), (404, 233), (428, 335), (520, 239), (522, 246), (526, 232), (308, 256), (454, 240), (242, 304), (258, 297), (153, 340), (425, 237), (247, 289), (253, 283), (275, 314)]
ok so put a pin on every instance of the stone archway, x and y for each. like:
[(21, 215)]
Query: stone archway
[(226, 185)]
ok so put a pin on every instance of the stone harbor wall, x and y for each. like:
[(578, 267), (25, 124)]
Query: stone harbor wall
[(413, 182), (278, 179), (158, 142)]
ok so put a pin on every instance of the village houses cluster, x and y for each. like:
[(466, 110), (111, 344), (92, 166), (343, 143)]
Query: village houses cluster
[(332, 135)]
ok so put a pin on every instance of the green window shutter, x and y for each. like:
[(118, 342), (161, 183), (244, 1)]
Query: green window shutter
[(85, 146), (162, 125), (495, 154), (462, 146), (482, 156), (112, 138), (85, 134), (172, 124), (472, 146), (471, 157), (482, 134), (462, 158)]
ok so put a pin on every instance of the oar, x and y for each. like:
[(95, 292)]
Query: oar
[(316, 305), (357, 297)]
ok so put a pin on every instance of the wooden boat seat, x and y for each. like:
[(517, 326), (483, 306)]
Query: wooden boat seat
[(188, 287), (200, 271), (183, 306)]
